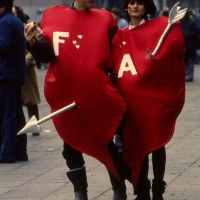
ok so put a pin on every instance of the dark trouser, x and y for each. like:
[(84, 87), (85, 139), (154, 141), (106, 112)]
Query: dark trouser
[(77, 174), (158, 163), (189, 69), (33, 110), (143, 185), (74, 159), (11, 120)]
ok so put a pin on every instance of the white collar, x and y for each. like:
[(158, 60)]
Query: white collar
[(131, 26)]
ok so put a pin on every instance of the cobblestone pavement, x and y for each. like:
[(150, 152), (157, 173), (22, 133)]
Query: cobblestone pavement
[(43, 177)]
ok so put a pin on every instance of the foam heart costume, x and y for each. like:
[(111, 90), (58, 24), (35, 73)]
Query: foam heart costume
[(154, 90)]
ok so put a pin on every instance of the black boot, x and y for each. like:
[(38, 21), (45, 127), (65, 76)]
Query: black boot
[(143, 190), (143, 197), (119, 188), (157, 196), (144, 185), (158, 189), (79, 181)]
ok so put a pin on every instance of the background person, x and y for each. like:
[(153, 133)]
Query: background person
[(197, 20), (190, 33), (117, 15), (30, 89), (165, 12), (12, 77)]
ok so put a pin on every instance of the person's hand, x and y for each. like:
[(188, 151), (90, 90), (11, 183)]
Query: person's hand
[(30, 33)]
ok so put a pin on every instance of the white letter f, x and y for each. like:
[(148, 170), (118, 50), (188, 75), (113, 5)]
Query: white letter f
[(57, 40)]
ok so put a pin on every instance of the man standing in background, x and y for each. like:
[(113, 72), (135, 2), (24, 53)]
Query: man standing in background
[(12, 76), (117, 15)]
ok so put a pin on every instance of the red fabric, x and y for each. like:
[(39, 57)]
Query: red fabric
[(155, 95), (78, 75)]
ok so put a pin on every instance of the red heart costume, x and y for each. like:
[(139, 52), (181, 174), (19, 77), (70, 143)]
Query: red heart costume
[(81, 44), (154, 90)]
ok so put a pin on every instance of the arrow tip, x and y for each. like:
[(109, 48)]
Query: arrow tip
[(31, 127)]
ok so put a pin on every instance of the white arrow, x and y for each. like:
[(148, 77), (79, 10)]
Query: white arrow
[(33, 126), (175, 15)]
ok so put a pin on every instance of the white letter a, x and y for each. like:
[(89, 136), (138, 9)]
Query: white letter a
[(127, 65)]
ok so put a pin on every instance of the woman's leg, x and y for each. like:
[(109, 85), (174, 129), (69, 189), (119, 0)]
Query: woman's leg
[(159, 163), (143, 186), (77, 173)]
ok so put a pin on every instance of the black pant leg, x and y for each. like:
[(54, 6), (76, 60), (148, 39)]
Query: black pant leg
[(74, 158), (159, 162), (122, 169), (143, 185), (33, 110)]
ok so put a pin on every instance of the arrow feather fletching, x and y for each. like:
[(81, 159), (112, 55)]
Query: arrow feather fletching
[(179, 16), (176, 14)]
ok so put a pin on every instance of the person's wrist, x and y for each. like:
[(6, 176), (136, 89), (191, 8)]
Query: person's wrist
[(30, 44)]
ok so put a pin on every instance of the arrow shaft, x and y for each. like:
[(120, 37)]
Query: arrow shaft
[(161, 40), (56, 113)]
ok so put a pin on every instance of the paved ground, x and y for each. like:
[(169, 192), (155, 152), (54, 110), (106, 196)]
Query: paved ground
[(43, 176)]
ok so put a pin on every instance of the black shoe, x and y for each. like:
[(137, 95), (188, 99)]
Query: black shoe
[(6, 161), (143, 197), (189, 79), (118, 187), (22, 158), (157, 197), (119, 197), (35, 134)]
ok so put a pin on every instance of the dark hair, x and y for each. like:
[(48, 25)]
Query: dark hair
[(148, 4), (7, 3), (116, 11), (21, 15), (165, 13), (187, 15)]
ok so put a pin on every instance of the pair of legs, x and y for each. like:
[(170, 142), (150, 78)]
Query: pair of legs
[(158, 185), (12, 120), (77, 173), (143, 187)]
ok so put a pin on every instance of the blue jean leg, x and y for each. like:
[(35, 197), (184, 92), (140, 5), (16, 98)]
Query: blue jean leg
[(118, 142), (189, 68), (21, 140), (10, 93)]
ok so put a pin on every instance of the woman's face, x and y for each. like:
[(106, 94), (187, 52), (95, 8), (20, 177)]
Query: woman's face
[(136, 9)]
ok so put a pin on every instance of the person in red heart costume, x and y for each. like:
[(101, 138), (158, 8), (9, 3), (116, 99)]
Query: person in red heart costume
[(76, 41), (153, 88)]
